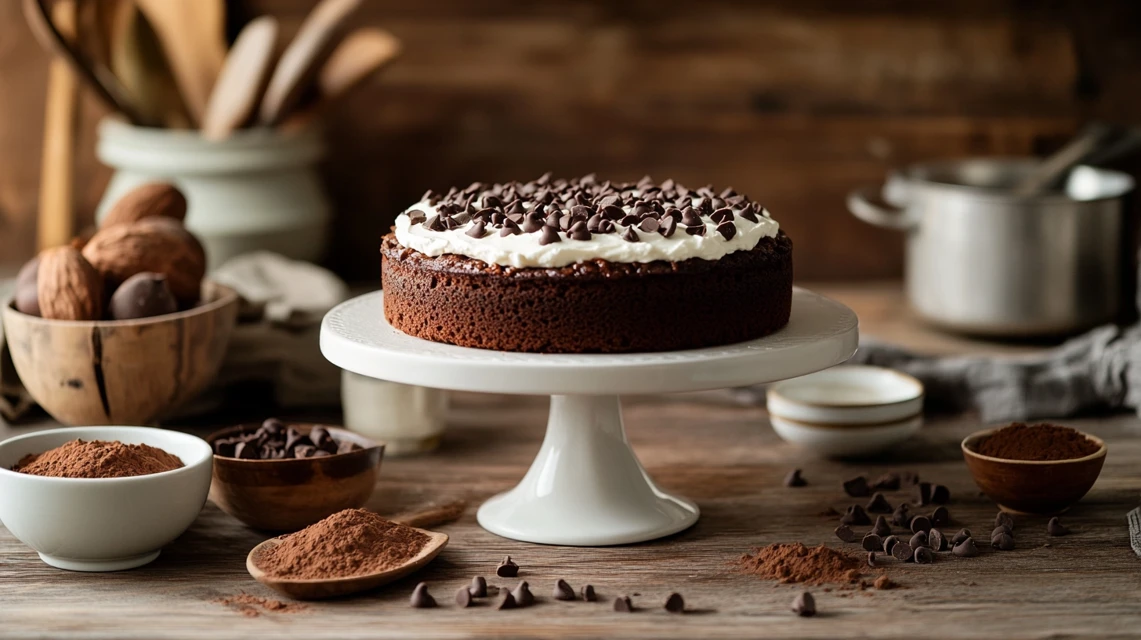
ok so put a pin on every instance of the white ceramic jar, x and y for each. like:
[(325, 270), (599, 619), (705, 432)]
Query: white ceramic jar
[(257, 190), (407, 419)]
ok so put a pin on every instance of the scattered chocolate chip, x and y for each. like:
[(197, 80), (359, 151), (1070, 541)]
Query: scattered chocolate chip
[(940, 494), (889, 543), (478, 587), (923, 494), (855, 515), (872, 542), (872, 559), (881, 528), (1004, 518), (507, 568), (923, 555), (1003, 542), (857, 487), (965, 548), (845, 533), (508, 601), (563, 591), (794, 479), (908, 478), (623, 604), (902, 551), (588, 593), (936, 540), (675, 603), (940, 517), (522, 594), (963, 534), (921, 523), (879, 504), (463, 597), (421, 599), (886, 482), (1055, 528), (918, 540), (901, 517), (804, 605)]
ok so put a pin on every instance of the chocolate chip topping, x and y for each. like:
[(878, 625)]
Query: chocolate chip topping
[(563, 204)]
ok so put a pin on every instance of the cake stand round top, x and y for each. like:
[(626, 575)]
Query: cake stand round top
[(355, 336)]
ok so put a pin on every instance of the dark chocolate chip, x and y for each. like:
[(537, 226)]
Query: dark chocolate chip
[(940, 517), (509, 229), (507, 568), (921, 523), (727, 230), (901, 517), (918, 540), (936, 540), (721, 215), (886, 482), (845, 533), (549, 235), (902, 551), (623, 604), (477, 230), (794, 479), (613, 213), (856, 515), (293, 437), (923, 494), (1055, 528), (344, 446), (563, 591), (629, 220), (675, 603), (965, 548), (588, 594), (871, 542), (872, 559), (857, 487), (690, 218), (630, 235), (304, 451), (478, 587), (909, 478), (508, 601), (461, 219), (667, 227), (319, 436), (881, 528), (879, 504), (491, 202), (246, 451), (416, 217), (1002, 542), (649, 225), (1004, 518), (696, 231), (522, 594), (463, 597), (963, 534), (553, 219), (225, 447), (532, 224), (421, 599), (434, 223), (804, 605), (940, 494), (273, 426), (889, 543), (923, 555)]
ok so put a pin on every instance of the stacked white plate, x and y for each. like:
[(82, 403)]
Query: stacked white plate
[(847, 411)]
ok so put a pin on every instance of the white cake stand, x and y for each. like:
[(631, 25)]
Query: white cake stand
[(586, 487)]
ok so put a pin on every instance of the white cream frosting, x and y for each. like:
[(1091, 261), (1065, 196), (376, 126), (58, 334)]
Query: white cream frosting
[(524, 250)]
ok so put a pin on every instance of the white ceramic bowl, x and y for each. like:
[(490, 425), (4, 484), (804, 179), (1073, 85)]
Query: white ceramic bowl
[(103, 524), (846, 440), (848, 394)]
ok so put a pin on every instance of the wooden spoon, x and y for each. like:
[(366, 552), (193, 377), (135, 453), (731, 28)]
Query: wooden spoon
[(137, 58), (243, 79), (193, 34), (303, 58), (318, 589), (56, 221), (98, 77)]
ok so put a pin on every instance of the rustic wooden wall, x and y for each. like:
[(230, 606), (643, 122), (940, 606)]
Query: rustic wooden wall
[(794, 103)]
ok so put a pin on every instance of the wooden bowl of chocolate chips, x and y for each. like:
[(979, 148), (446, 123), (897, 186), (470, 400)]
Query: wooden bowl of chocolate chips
[(279, 476)]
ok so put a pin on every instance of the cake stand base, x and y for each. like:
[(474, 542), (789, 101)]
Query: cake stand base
[(586, 487)]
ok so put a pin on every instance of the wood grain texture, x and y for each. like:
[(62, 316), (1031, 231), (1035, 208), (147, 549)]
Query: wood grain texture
[(793, 104), (725, 458)]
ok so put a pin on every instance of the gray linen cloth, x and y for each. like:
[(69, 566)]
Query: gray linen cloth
[(274, 342), (1095, 371)]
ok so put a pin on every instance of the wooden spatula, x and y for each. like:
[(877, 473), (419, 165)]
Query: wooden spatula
[(303, 58), (137, 58), (192, 33), (243, 79), (56, 222)]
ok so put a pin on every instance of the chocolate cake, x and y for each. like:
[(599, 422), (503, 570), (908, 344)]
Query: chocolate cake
[(583, 266)]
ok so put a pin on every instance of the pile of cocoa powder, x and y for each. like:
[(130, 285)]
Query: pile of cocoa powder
[(1019, 441), (795, 562), (98, 459), (349, 543), (253, 606)]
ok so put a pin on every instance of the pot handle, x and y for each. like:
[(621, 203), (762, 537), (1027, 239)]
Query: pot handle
[(861, 206)]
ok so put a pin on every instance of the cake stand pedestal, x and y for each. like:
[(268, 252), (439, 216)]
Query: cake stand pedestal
[(586, 486)]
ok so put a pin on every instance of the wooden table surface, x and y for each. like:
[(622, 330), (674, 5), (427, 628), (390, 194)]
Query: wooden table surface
[(724, 457)]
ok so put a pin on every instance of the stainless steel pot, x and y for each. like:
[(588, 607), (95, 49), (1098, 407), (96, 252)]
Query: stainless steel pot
[(984, 261)]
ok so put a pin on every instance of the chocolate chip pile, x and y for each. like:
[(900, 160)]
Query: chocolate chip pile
[(521, 596), (275, 440), (578, 208)]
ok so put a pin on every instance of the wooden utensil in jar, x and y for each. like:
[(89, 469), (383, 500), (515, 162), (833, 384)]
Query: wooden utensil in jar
[(243, 79), (192, 33), (137, 58)]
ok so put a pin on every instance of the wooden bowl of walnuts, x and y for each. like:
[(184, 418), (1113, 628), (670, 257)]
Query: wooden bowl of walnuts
[(120, 328)]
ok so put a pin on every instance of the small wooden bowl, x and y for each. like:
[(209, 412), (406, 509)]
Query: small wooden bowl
[(291, 494), (121, 372), (1042, 487)]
